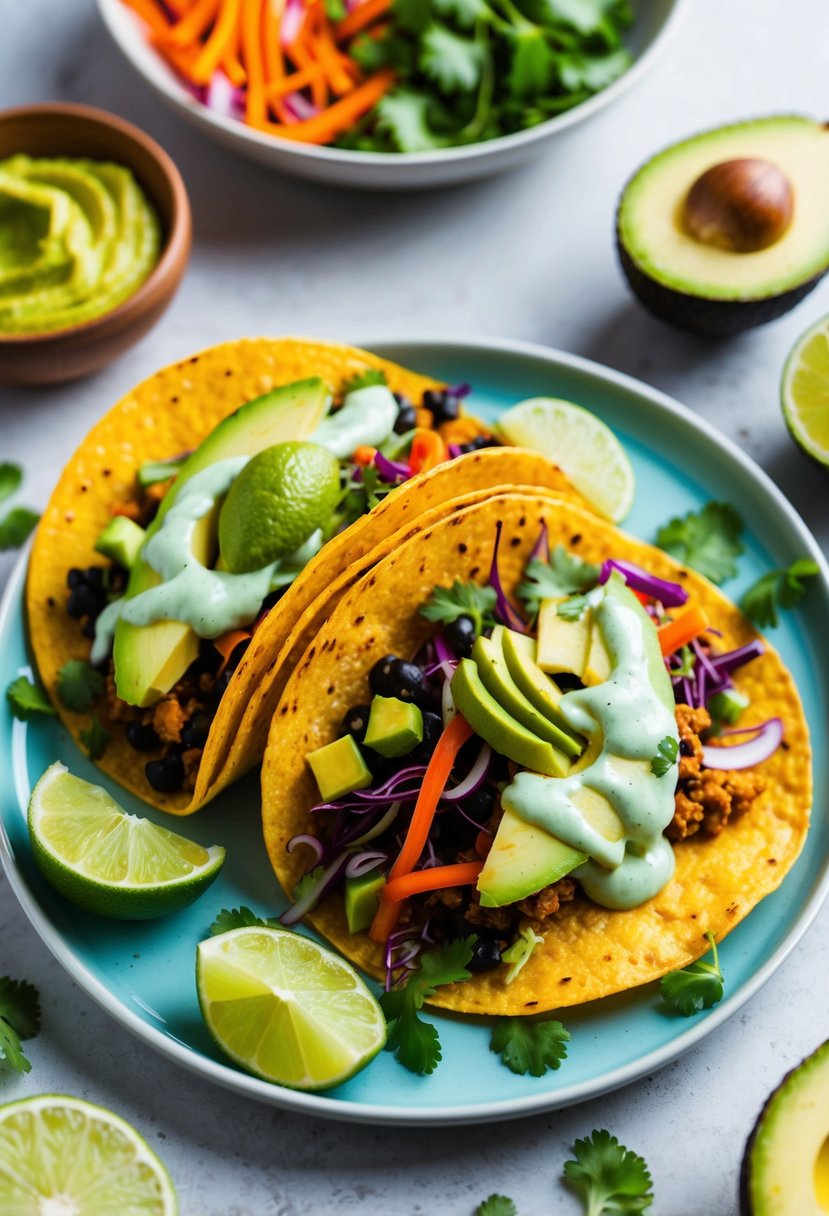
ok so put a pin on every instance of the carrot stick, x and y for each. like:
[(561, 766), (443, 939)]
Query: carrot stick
[(179, 7), (335, 63), (436, 878), (181, 60), (364, 454), (231, 63), (682, 630), (150, 13), (220, 37), (359, 18), (324, 127), (193, 24), (252, 49), (428, 450), (300, 55), (272, 51), (227, 643), (290, 84)]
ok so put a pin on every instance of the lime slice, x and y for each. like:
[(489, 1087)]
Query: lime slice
[(286, 1009), (280, 498), (805, 391), (110, 862), (580, 444), (61, 1156)]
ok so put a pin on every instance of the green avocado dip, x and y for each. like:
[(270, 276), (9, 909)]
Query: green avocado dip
[(77, 238)]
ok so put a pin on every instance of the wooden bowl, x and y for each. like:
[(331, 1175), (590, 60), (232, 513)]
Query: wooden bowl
[(58, 129)]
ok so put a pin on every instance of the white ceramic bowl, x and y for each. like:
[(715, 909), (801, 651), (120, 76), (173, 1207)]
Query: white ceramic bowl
[(655, 21)]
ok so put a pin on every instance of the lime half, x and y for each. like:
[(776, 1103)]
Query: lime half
[(108, 861), (805, 392), (580, 444), (60, 1156), (286, 1009)]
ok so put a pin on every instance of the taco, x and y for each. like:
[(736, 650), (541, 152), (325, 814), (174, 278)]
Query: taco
[(515, 729), (167, 702)]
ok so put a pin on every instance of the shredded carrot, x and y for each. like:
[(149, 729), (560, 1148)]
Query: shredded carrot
[(483, 843), (211, 53), (179, 7), (227, 643), (181, 60), (327, 54), (193, 24), (256, 106), (300, 55), (436, 878), (272, 52), (150, 13), (428, 450), (682, 630), (231, 63), (289, 84), (331, 122), (364, 454), (359, 18), (434, 781)]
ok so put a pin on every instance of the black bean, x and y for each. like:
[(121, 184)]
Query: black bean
[(194, 733), (486, 954), (460, 636), (167, 774), (406, 681), (142, 738), (443, 406), (406, 420), (379, 678), (85, 602), (355, 722)]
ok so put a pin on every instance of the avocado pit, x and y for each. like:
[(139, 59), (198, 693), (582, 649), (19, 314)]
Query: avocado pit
[(740, 205)]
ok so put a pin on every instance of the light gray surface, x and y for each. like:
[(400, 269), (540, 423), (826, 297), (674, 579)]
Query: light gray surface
[(529, 256)]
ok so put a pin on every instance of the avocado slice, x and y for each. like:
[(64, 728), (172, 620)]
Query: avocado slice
[(362, 896), (563, 645), (489, 719), (339, 768), (394, 727), (785, 1170), (150, 659), (520, 653), (708, 288), (523, 860), (121, 540), (488, 656)]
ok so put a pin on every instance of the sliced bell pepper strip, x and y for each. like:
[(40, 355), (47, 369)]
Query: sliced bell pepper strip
[(682, 630), (435, 878), (428, 450), (227, 643)]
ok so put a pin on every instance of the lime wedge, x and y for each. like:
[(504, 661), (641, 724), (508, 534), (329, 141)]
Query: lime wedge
[(580, 444), (805, 392), (286, 1009), (61, 1156), (110, 862)]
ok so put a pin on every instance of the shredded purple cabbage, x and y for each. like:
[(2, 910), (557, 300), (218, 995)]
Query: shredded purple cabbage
[(392, 471), (509, 615), (672, 595), (541, 548)]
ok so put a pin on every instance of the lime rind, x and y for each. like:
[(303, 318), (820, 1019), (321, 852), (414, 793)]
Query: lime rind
[(583, 446), (53, 1146), (805, 392), (287, 1009), (108, 861)]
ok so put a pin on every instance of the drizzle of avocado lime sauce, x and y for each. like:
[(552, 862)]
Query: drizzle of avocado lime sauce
[(213, 601), (624, 719)]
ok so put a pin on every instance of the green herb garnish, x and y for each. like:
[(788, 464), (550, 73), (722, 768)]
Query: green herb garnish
[(240, 918), (16, 526), (364, 379), (414, 1042), (573, 608), (11, 478), (79, 684), (608, 1177), (778, 589), (446, 604), (564, 574), (95, 738), (28, 700), (694, 988), (664, 761), (19, 1019), (529, 1047), (707, 540), (496, 1205)]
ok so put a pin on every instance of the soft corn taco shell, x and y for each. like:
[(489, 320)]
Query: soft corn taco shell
[(171, 412), (588, 951)]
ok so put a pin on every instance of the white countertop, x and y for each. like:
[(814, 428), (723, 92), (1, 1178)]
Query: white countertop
[(529, 255)]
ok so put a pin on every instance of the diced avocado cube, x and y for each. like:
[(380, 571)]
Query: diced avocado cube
[(362, 896), (563, 645), (121, 540), (339, 768), (726, 706), (599, 664), (394, 727)]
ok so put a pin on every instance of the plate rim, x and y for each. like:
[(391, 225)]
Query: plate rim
[(511, 1108)]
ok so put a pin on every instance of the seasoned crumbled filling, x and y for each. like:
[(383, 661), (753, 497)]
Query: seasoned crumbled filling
[(706, 798), (168, 719)]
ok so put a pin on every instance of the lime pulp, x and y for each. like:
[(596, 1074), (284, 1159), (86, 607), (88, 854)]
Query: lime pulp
[(805, 392)]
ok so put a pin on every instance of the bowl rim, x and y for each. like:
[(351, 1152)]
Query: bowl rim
[(165, 82), (175, 249)]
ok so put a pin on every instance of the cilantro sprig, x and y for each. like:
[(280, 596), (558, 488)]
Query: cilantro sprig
[(608, 1177), (415, 1043), (446, 604), (496, 1205), (19, 1020), (665, 759), (364, 379), (28, 700), (240, 918), (696, 987), (777, 589), (565, 574), (95, 738), (707, 540), (573, 608), (17, 523), (79, 684), (532, 1047)]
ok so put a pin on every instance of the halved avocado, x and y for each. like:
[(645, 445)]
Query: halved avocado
[(679, 255), (150, 659), (785, 1168)]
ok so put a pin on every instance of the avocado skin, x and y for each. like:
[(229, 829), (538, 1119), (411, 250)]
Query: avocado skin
[(709, 318)]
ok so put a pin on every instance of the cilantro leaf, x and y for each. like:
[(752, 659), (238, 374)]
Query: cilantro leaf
[(531, 69), (307, 882), (28, 700), (608, 1177), (79, 684), (412, 16), (496, 1205), (529, 1047), (95, 738), (707, 540), (593, 72), (11, 477), (19, 1019), (464, 12), (335, 10), (452, 61), (239, 918), (694, 988), (364, 379), (587, 16), (446, 604), (16, 526), (667, 750), (564, 574), (777, 589), (572, 609), (414, 1042), (404, 115)]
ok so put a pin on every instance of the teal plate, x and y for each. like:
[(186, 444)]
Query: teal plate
[(143, 974)]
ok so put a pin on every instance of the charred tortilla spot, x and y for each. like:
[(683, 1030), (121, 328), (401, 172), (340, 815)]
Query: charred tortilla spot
[(771, 861), (358, 620), (283, 710), (575, 539), (565, 979), (474, 571), (514, 541), (311, 653), (522, 523), (330, 690), (461, 548), (529, 1004)]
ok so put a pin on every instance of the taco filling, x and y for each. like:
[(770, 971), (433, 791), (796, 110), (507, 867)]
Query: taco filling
[(528, 759)]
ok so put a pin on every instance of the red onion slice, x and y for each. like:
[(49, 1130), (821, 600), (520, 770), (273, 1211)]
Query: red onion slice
[(672, 595), (306, 838), (510, 615), (381, 825), (765, 740), (392, 471), (328, 879), (473, 780), (363, 863)]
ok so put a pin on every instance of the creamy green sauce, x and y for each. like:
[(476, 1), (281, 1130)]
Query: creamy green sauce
[(367, 416), (626, 719)]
